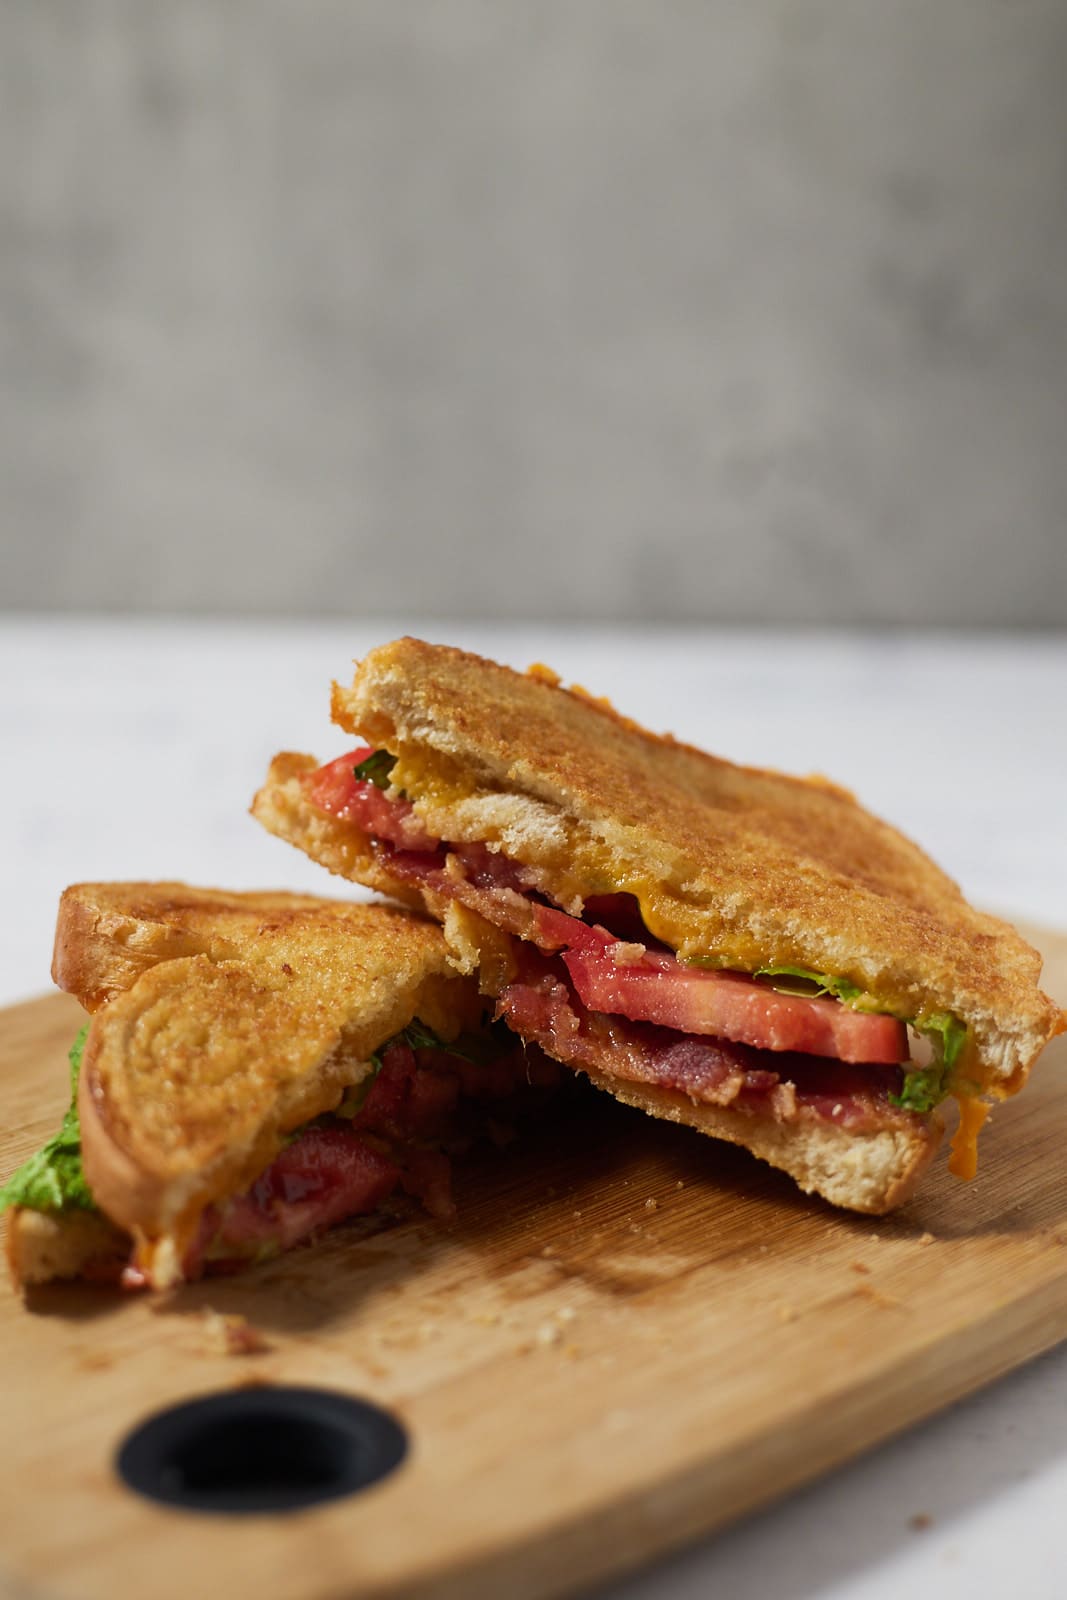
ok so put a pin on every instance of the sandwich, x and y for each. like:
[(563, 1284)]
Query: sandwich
[(256, 1068), (753, 954)]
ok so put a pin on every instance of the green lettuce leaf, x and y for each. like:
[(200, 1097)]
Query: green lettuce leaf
[(53, 1180), (926, 1087), (376, 769), (811, 983)]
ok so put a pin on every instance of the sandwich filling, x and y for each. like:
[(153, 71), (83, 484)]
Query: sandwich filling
[(423, 1103), (598, 991)]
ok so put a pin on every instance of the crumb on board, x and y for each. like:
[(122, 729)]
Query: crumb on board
[(680, 1184), (651, 1204), (859, 1266), (925, 1238), (877, 1297), (787, 1313), (549, 1333), (230, 1334)]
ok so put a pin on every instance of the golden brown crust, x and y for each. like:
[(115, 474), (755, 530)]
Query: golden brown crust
[(192, 1076), (746, 865)]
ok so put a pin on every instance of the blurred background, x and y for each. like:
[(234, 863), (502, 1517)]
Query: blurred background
[(703, 310)]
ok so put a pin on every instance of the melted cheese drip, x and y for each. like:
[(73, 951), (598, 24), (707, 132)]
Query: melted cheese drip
[(963, 1162)]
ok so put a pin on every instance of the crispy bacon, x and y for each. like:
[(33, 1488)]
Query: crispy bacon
[(788, 1087), (327, 1174), (423, 1107)]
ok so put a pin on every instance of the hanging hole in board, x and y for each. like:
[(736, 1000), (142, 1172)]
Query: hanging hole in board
[(269, 1449)]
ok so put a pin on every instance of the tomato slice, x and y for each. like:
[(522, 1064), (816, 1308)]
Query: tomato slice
[(730, 1005), (336, 789)]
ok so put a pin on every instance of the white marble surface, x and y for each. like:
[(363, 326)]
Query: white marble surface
[(132, 750)]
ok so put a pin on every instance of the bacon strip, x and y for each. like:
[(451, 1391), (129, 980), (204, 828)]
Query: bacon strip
[(423, 1107), (542, 1006)]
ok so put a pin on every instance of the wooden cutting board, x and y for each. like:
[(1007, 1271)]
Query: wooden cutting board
[(631, 1337)]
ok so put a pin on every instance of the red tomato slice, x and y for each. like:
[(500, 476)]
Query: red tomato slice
[(336, 789), (730, 1005)]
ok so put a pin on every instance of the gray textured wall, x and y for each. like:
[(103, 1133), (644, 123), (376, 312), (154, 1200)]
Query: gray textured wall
[(693, 309)]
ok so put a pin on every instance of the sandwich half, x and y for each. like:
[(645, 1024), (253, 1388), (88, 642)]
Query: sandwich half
[(257, 1068), (750, 953)]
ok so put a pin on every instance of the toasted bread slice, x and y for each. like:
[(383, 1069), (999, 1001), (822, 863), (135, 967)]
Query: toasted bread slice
[(732, 866), (222, 1023)]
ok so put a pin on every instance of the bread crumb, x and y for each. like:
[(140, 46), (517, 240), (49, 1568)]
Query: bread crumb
[(627, 955), (925, 1238), (566, 1314), (787, 1313), (572, 1351), (920, 1521), (859, 1266), (454, 867), (651, 1205), (876, 1296), (548, 1333), (577, 1214), (231, 1334), (679, 1184)]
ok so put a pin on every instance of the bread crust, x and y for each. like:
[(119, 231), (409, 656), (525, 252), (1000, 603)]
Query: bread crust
[(867, 1172), (749, 866)]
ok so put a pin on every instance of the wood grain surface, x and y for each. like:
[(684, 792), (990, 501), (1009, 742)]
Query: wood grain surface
[(630, 1337)]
